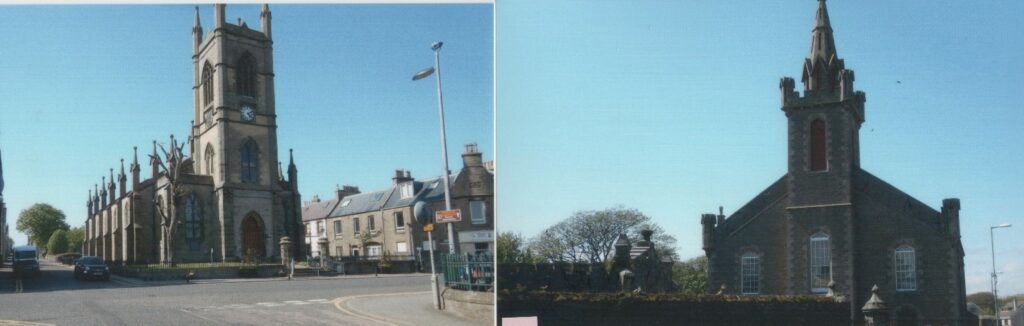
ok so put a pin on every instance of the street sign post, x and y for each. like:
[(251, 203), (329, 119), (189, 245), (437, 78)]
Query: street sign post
[(448, 216)]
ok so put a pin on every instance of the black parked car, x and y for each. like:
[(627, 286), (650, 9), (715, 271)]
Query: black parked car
[(91, 266)]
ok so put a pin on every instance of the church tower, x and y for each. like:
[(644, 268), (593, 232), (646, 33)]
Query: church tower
[(234, 136), (235, 128), (823, 136), (824, 124)]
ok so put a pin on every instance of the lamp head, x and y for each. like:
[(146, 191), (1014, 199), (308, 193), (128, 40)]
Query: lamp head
[(423, 73), (436, 46)]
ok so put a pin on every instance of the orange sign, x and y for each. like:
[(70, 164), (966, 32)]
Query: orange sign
[(454, 215), (428, 227)]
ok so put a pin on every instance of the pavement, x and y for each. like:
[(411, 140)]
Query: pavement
[(56, 298)]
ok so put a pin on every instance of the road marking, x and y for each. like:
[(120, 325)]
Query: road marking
[(19, 287), (204, 318), (297, 302), (269, 304), (342, 304), (22, 323), (319, 301)]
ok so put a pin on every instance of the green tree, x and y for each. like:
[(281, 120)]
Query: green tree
[(40, 221), (75, 238), (983, 300), (691, 275), (512, 249), (58, 242)]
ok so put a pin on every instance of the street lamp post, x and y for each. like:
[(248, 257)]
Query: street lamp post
[(995, 279), (444, 144)]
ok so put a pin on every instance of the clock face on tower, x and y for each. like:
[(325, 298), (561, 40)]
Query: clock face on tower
[(248, 114)]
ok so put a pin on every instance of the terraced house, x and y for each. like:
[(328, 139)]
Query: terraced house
[(382, 222)]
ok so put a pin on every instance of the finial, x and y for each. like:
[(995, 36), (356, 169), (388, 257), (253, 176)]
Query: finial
[(122, 166)]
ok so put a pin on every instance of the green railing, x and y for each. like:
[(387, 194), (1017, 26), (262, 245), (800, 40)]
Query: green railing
[(468, 272)]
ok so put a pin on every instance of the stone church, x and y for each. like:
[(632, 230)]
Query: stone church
[(828, 225), (228, 198)]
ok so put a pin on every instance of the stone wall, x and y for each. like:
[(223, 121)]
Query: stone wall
[(670, 309), (163, 274), (473, 305), (557, 277)]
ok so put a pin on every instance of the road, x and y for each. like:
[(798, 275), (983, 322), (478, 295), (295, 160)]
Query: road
[(56, 298)]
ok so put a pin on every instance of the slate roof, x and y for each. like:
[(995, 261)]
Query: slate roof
[(364, 202), (428, 190), (318, 210)]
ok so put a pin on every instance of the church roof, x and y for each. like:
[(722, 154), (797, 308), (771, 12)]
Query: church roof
[(752, 209), (867, 184)]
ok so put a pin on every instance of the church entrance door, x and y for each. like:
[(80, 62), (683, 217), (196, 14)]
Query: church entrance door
[(252, 236)]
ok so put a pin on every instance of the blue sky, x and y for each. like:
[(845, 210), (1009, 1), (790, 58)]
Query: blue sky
[(81, 85), (672, 107)]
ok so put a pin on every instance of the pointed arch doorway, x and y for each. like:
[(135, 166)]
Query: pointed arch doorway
[(252, 236)]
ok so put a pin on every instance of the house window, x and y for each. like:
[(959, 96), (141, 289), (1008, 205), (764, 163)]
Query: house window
[(337, 229), (193, 222), (819, 161), (246, 76), (478, 212), (355, 226), (207, 84), (320, 228), (354, 251), (338, 250), (750, 273), (407, 190), (401, 247), (249, 156), (821, 262), (399, 221), (370, 224), (373, 250), (906, 273), (307, 230)]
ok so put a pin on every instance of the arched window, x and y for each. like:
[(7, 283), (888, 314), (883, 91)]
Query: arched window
[(750, 273), (207, 84), (208, 158), (819, 160), (250, 155), (906, 269), (246, 76), (193, 222), (820, 262)]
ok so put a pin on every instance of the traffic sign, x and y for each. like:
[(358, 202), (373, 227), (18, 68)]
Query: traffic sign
[(428, 227), (454, 215)]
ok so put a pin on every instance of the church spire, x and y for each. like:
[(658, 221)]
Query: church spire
[(1, 176), (265, 20), (197, 33), (822, 66), (823, 45)]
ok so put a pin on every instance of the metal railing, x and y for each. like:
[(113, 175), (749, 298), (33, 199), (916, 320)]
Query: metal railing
[(468, 271)]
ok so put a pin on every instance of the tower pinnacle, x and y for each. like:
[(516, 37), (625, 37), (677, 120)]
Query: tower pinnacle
[(822, 66)]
